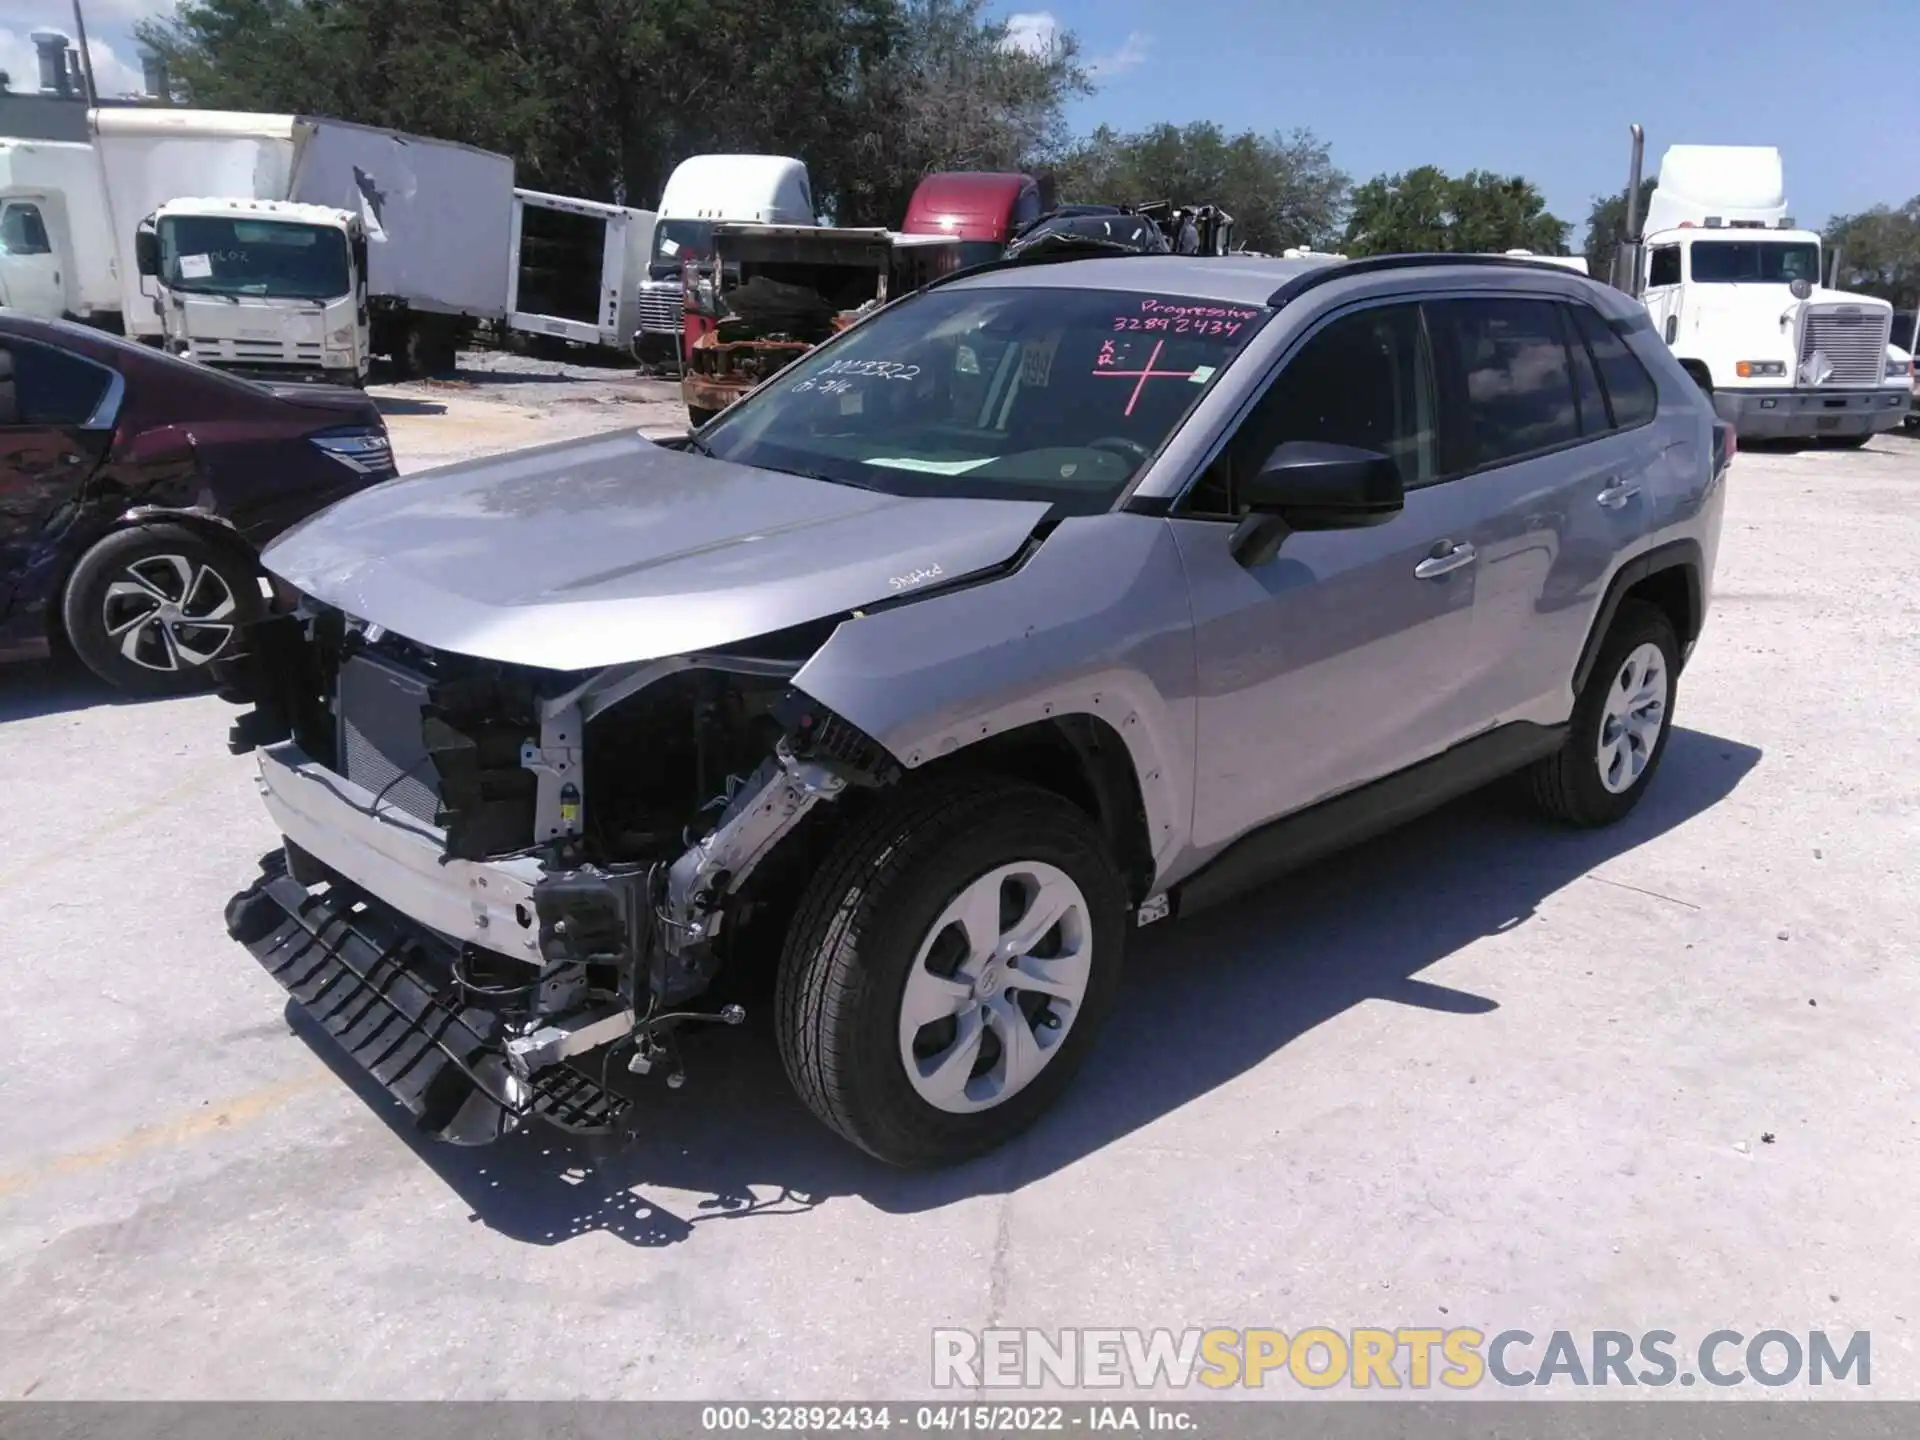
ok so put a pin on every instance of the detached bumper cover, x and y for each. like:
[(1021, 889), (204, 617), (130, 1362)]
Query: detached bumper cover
[(1761, 414)]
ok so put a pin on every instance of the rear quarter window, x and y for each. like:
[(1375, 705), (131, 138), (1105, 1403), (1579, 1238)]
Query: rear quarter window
[(1632, 395)]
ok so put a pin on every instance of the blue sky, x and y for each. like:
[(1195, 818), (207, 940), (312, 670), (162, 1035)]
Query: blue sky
[(1531, 87)]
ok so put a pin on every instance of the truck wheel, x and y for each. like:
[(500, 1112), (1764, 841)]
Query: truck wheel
[(149, 609), (1620, 725), (698, 415), (949, 967), (430, 347)]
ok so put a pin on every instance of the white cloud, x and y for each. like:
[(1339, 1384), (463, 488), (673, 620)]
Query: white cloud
[(113, 75), (1131, 55), (1034, 33)]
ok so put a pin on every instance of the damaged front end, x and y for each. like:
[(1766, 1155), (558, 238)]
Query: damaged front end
[(500, 886)]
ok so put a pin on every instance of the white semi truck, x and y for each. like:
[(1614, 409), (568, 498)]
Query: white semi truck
[(1735, 289)]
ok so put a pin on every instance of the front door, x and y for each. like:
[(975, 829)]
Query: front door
[(1338, 660)]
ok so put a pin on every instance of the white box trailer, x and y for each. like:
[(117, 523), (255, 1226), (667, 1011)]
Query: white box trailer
[(439, 222), (576, 268)]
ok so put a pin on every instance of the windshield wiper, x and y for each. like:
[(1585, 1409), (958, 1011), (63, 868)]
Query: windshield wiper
[(700, 447)]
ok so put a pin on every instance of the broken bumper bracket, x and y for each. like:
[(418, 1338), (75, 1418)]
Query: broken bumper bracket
[(363, 977)]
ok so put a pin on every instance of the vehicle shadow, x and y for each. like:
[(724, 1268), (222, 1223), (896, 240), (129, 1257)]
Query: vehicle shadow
[(1204, 1001), (408, 405), (57, 686)]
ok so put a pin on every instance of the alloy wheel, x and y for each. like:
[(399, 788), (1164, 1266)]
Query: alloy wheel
[(168, 614)]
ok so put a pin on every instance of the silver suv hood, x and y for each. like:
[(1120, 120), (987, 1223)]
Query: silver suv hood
[(613, 549)]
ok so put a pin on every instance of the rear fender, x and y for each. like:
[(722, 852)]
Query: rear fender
[(1096, 623)]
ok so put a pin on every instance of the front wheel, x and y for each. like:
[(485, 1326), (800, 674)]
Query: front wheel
[(949, 968), (150, 608), (1620, 724), (698, 415)]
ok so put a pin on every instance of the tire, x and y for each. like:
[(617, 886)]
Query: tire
[(1570, 785), (430, 348), (698, 416), (117, 603), (874, 909)]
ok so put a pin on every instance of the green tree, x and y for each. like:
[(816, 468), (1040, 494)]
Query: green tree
[(1606, 227), (601, 98), (1880, 252), (1425, 210), (1281, 189)]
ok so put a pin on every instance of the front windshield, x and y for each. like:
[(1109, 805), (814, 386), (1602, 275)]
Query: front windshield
[(1051, 394), (233, 255), (677, 241), (1755, 262)]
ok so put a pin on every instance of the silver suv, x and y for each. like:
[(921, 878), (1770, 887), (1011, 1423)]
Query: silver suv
[(1057, 599)]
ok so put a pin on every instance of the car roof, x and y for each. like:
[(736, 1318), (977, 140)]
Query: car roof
[(1253, 280)]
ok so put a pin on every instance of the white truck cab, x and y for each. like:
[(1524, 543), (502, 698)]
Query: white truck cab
[(705, 191), (265, 288), (1735, 289)]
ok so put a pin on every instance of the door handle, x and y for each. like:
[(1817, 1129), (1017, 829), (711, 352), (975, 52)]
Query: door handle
[(1617, 494), (1445, 559)]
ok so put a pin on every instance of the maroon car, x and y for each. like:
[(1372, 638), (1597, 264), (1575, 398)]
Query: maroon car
[(136, 491)]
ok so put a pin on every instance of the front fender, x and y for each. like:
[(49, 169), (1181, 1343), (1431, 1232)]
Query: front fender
[(1096, 622)]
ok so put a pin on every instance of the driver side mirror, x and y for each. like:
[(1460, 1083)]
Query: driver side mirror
[(146, 253), (1311, 485)]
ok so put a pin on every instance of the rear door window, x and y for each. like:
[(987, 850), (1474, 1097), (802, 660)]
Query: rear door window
[(51, 387), (1515, 382)]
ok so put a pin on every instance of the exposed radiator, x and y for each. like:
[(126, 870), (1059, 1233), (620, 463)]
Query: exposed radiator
[(381, 745)]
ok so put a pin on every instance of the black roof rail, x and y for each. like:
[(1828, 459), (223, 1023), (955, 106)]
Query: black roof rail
[(1367, 265)]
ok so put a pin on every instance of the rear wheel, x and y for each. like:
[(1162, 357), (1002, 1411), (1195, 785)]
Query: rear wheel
[(149, 609), (948, 969), (1620, 724)]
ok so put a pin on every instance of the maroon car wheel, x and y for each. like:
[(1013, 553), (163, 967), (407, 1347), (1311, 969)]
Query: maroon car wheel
[(149, 609)]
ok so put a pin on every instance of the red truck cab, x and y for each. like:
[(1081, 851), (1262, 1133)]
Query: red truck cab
[(981, 209)]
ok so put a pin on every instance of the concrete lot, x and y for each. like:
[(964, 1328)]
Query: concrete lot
[(498, 401), (1478, 1073)]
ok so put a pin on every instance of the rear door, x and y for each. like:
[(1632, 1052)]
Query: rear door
[(56, 418), (1565, 479)]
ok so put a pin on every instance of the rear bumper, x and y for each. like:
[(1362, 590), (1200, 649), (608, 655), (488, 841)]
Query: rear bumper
[(1784, 414)]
